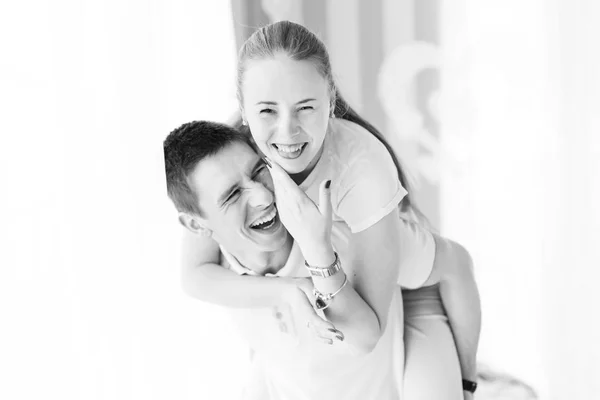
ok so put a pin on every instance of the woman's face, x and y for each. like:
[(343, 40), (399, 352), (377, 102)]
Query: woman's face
[(286, 104)]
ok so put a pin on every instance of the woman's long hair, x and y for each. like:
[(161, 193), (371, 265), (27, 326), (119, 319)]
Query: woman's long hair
[(300, 43)]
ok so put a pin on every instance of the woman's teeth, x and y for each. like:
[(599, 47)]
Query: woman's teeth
[(288, 148), (290, 151)]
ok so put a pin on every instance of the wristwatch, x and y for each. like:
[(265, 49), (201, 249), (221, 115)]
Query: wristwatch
[(325, 272), (469, 386)]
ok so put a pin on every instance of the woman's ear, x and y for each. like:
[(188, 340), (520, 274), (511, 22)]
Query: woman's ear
[(194, 224)]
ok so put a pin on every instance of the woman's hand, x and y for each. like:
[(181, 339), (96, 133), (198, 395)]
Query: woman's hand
[(308, 223), (300, 300)]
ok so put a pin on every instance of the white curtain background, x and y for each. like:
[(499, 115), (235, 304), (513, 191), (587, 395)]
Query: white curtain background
[(521, 181), (90, 297)]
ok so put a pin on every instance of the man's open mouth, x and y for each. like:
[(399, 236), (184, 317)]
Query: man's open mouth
[(265, 222)]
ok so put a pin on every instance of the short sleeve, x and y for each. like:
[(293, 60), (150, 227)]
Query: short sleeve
[(369, 190)]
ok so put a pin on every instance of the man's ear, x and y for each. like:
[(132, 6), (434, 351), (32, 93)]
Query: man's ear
[(195, 224)]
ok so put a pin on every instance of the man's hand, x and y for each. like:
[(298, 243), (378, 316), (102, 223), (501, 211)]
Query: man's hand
[(308, 223)]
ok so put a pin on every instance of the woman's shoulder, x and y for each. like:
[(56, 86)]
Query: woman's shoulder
[(355, 139), (354, 144)]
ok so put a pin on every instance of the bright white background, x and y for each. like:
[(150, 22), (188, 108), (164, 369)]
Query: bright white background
[(90, 301), (521, 181), (90, 295)]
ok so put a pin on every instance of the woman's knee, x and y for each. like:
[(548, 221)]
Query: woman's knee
[(452, 259)]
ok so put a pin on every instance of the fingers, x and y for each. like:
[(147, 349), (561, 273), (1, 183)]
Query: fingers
[(338, 334), (276, 176), (283, 180), (325, 331), (325, 198), (279, 175), (287, 193)]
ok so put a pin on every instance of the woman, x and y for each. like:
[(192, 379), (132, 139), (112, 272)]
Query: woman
[(296, 117)]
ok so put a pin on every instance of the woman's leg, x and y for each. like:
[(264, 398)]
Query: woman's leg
[(431, 367)]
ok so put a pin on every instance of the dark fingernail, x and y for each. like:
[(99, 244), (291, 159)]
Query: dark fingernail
[(327, 184), (266, 160), (332, 330), (340, 338)]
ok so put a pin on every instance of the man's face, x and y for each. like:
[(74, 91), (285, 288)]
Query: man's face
[(235, 194)]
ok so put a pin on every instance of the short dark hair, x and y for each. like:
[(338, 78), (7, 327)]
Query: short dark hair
[(184, 148)]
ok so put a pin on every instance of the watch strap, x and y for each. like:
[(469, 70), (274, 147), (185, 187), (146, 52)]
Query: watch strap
[(469, 386), (325, 272)]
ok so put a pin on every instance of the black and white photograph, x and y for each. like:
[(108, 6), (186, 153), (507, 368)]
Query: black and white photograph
[(300, 200)]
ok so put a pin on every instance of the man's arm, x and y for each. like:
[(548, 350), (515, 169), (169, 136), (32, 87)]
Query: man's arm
[(453, 270), (205, 279)]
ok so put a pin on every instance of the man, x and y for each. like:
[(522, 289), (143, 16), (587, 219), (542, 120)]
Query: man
[(222, 188)]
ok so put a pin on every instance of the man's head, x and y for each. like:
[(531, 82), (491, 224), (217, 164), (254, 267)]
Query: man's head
[(222, 188)]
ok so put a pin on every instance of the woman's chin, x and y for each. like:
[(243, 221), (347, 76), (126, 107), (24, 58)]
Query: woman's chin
[(292, 166)]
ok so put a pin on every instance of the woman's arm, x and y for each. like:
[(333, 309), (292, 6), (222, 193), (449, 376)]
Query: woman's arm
[(347, 310), (360, 309)]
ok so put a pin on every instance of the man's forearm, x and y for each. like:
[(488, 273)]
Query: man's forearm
[(214, 284)]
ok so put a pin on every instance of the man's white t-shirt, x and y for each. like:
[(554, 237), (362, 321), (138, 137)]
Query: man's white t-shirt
[(290, 363)]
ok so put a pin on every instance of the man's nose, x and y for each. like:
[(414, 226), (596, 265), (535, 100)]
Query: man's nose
[(260, 196)]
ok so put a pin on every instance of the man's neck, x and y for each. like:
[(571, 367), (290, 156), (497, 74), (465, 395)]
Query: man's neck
[(263, 262)]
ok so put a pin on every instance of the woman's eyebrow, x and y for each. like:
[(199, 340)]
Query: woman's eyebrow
[(272, 103), (306, 101)]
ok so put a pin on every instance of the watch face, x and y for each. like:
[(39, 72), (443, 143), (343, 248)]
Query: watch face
[(315, 273)]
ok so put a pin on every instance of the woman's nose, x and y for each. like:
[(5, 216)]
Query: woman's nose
[(288, 126)]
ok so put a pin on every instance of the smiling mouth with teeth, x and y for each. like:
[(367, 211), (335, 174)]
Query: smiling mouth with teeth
[(265, 222), (290, 150)]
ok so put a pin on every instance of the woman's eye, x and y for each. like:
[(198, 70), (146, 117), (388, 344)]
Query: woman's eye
[(266, 111), (305, 108)]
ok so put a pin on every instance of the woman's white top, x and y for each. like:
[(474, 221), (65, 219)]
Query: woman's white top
[(364, 189)]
